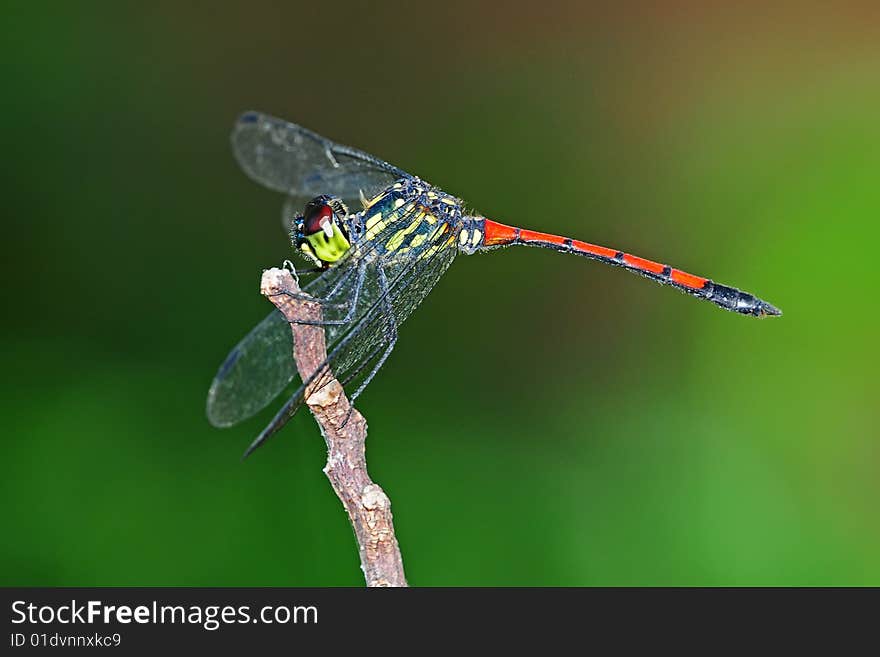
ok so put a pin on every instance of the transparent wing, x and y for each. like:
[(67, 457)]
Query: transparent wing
[(291, 159), (261, 365), (409, 278), (364, 343), (254, 373), (292, 208), (351, 285)]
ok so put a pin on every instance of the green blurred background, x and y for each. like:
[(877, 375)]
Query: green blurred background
[(544, 420)]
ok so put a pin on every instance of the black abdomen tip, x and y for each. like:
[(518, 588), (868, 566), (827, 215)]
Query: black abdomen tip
[(742, 302)]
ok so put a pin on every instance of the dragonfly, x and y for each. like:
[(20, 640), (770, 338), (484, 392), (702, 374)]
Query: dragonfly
[(374, 265)]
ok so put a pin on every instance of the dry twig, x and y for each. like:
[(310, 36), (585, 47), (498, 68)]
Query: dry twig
[(368, 507)]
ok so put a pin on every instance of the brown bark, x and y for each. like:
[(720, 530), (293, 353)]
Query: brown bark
[(367, 505)]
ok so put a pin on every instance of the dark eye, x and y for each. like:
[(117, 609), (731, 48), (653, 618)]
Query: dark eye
[(315, 217)]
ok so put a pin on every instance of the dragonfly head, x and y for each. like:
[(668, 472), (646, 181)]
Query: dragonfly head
[(319, 232)]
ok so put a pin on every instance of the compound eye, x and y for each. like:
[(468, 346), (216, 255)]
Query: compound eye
[(315, 221)]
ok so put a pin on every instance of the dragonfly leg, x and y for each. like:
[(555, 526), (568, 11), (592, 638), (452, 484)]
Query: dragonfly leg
[(323, 300), (390, 341), (350, 306), (342, 280), (390, 335), (288, 264)]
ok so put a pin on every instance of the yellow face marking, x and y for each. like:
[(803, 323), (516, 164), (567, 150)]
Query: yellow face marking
[(307, 251), (329, 249)]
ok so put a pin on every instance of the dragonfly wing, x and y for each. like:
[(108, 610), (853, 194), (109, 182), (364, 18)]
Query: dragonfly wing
[(351, 286), (291, 159), (413, 252), (262, 364), (254, 372), (292, 208), (361, 345), (409, 280)]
